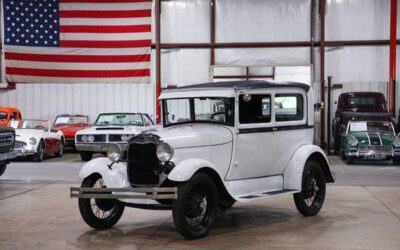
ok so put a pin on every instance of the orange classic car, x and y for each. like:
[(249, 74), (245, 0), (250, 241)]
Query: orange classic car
[(7, 114)]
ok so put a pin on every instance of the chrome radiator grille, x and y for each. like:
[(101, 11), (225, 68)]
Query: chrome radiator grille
[(143, 164), (6, 139), (378, 149)]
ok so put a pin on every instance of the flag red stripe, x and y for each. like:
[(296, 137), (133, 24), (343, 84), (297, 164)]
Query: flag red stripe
[(105, 13), (78, 73), (104, 1), (105, 44), (105, 29), (77, 58)]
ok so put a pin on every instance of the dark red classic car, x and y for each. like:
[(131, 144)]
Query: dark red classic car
[(69, 125), (357, 103)]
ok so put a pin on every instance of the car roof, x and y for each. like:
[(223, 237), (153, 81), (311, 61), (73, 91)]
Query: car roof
[(9, 109), (250, 84)]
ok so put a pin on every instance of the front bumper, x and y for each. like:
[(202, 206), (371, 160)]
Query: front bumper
[(8, 156), (24, 151), (162, 193), (375, 155), (97, 147)]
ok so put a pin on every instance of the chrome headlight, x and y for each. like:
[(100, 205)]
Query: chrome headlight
[(396, 142), (32, 141), (90, 138), (164, 152), (114, 152), (125, 138), (84, 138), (353, 141)]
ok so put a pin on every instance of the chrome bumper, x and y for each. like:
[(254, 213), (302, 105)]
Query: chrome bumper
[(96, 147), (24, 152), (167, 193), (8, 156), (375, 155)]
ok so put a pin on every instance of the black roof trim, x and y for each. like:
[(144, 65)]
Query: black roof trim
[(246, 85)]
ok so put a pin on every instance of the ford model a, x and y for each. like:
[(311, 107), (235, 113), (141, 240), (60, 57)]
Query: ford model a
[(220, 143)]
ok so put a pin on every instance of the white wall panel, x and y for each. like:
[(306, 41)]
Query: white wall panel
[(185, 66), (357, 64), (262, 21), (46, 101), (185, 21), (357, 19)]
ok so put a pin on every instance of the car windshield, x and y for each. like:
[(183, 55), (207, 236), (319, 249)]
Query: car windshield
[(127, 119), (30, 124), (382, 126), (201, 110), (63, 120), (3, 116)]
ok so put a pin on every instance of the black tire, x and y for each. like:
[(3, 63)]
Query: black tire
[(350, 160), (396, 161), (38, 156), (86, 156), (99, 213), (60, 151), (2, 168), (311, 198), (226, 203), (195, 209)]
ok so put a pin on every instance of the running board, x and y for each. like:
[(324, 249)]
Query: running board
[(269, 193)]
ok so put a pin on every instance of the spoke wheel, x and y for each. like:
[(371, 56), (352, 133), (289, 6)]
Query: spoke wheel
[(195, 209), (38, 156), (99, 213), (311, 198)]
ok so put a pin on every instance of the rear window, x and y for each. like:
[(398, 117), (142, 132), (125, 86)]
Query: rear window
[(362, 100)]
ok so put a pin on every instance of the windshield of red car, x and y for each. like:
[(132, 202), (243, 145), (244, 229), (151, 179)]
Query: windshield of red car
[(363, 126), (64, 120), (3, 116)]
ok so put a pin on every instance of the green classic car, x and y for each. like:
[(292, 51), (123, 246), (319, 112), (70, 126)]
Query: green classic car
[(374, 140)]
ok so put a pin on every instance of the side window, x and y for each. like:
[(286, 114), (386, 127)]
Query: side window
[(147, 121), (254, 108), (289, 107)]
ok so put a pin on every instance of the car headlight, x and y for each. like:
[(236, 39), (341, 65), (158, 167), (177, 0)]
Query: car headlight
[(125, 138), (32, 141), (396, 142), (90, 138), (353, 141), (114, 152), (84, 138), (164, 152)]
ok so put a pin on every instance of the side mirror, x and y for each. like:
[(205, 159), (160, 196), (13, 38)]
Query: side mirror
[(173, 117)]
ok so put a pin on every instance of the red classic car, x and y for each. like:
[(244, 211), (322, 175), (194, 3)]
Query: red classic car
[(69, 125)]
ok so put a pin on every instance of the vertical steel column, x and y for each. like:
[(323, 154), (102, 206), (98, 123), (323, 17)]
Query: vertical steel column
[(212, 32), (392, 59), (158, 58), (328, 148), (322, 67), (312, 31)]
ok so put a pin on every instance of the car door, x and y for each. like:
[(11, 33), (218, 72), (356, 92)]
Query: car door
[(271, 127)]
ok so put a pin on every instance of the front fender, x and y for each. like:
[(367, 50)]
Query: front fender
[(185, 170), (114, 178), (293, 174)]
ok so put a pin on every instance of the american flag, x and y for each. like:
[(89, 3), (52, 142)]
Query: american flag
[(77, 41)]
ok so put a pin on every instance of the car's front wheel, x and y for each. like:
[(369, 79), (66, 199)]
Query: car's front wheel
[(60, 151), (38, 156), (99, 213), (195, 209), (2, 168), (86, 156), (311, 198)]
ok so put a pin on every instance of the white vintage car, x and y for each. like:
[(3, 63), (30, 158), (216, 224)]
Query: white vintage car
[(35, 138), (220, 143), (109, 128)]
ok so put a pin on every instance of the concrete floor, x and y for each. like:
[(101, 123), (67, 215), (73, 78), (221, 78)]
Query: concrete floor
[(361, 211)]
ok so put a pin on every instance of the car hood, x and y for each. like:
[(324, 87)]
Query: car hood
[(70, 130), (112, 130), (25, 134), (374, 138), (184, 136)]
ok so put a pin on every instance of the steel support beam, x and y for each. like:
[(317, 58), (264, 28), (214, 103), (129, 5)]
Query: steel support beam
[(158, 58), (322, 67), (392, 56)]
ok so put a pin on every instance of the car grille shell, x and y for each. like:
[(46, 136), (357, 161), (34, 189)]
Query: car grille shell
[(6, 142), (376, 149)]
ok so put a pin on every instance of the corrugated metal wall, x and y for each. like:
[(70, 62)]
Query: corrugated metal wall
[(46, 101)]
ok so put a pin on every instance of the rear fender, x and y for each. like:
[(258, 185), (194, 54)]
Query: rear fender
[(293, 174), (186, 169), (114, 178)]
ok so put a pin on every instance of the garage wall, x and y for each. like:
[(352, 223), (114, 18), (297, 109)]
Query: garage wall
[(46, 101)]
